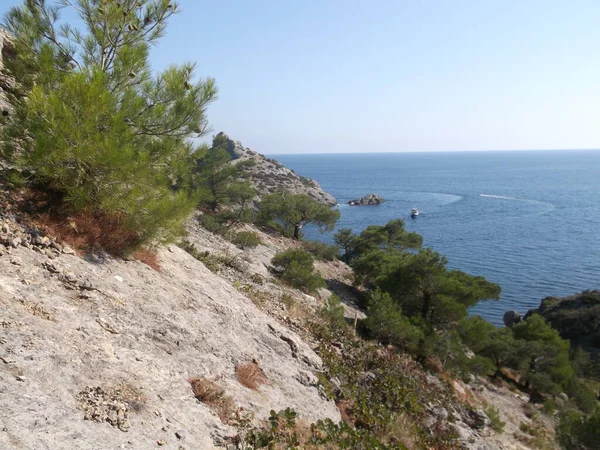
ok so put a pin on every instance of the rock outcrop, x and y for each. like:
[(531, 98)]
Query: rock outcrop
[(369, 199), (6, 81), (576, 318), (511, 318), (269, 176)]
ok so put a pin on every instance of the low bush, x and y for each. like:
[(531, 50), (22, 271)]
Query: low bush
[(495, 422), (333, 312), (322, 251), (295, 267), (246, 239), (211, 262), (284, 431), (212, 223)]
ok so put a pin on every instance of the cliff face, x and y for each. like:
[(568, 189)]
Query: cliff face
[(269, 176)]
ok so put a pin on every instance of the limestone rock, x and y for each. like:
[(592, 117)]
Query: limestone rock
[(185, 321)]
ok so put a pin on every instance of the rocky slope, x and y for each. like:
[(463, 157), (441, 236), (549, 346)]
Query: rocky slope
[(117, 342), (268, 175), (98, 353)]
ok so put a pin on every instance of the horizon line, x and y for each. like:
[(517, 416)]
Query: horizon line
[(441, 151)]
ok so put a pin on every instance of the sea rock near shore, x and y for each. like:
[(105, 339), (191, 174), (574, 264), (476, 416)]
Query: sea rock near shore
[(511, 318), (369, 199), (269, 176)]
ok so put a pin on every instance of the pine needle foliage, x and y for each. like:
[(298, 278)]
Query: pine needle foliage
[(102, 128)]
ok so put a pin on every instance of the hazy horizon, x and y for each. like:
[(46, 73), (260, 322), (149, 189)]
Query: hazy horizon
[(516, 150), (347, 77)]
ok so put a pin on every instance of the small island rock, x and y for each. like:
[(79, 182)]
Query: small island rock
[(369, 199)]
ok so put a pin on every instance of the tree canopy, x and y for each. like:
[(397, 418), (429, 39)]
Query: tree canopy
[(294, 211)]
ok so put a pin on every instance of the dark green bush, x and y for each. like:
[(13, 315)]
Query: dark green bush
[(386, 322), (246, 239), (322, 251), (294, 211), (212, 223), (295, 267), (576, 431)]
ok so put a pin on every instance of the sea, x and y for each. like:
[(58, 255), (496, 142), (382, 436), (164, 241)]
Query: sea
[(526, 220)]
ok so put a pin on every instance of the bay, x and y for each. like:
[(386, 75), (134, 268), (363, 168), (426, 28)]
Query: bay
[(527, 220)]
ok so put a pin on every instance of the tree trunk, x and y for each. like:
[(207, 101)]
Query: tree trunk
[(297, 228), (426, 304)]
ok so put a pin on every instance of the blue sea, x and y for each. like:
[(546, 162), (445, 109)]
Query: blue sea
[(527, 220)]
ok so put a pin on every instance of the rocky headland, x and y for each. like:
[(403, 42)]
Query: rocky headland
[(268, 175)]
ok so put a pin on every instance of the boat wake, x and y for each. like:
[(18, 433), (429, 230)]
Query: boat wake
[(503, 197), (548, 206)]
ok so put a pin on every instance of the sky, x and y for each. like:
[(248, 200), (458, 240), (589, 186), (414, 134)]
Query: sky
[(325, 76)]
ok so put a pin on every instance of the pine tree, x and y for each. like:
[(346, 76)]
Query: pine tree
[(103, 130), (294, 211)]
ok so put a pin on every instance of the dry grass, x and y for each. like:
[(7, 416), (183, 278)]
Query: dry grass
[(149, 258), (401, 430), (250, 375), (213, 396)]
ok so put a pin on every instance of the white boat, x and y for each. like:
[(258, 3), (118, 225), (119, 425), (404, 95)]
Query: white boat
[(414, 212)]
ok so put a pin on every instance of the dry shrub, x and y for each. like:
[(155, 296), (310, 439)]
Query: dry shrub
[(86, 231), (401, 430), (149, 258), (346, 408), (250, 375), (213, 396)]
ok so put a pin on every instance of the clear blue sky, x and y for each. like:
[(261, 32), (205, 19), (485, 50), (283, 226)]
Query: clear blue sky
[(401, 75)]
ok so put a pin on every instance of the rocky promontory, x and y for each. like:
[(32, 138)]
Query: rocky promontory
[(369, 199), (269, 176), (576, 318)]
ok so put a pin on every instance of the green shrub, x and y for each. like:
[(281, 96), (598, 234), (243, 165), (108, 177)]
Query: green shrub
[(333, 312), (495, 422), (386, 322), (246, 239), (212, 223), (579, 432), (295, 267), (322, 251), (211, 261)]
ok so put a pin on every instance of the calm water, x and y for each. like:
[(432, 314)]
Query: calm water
[(529, 221)]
